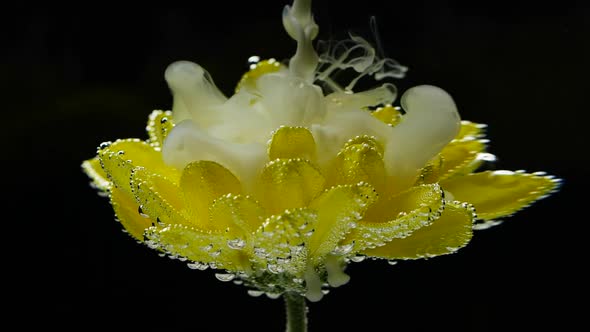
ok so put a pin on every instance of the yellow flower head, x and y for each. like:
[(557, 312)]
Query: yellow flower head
[(283, 184)]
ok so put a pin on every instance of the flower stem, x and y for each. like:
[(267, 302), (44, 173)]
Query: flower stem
[(296, 312)]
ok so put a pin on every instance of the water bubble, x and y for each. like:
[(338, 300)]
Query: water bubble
[(152, 244), (260, 252), (197, 266), (225, 276), (254, 59), (255, 293), (486, 224), (325, 291), (502, 172), (343, 249), (392, 262), (274, 268), (236, 244), (141, 213), (484, 156), (238, 281), (215, 253), (357, 259), (295, 250), (283, 261), (273, 295), (104, 145)]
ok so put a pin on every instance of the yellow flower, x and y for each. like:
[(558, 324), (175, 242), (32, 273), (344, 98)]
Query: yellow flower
[(284, 183)]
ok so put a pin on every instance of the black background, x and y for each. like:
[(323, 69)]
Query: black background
[(87, 73)]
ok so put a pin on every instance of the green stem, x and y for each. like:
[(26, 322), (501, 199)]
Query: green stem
[(296, 312)]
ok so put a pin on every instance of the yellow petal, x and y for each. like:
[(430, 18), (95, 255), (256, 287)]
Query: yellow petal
[(388, 114), (292, 142), (358, 162), (198, 246), (127, 212), (201, 183), (257, 70), (397, 217), (158, 198), (366, 140), (121, 157), (236, 215), (280, 242), (159, 125), (497, 194), (431, 172), (289, 183), (462, 157), (445, 235), (339, 210), (471, 130), (94, 170)]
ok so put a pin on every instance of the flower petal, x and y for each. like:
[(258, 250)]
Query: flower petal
[(497, 194), (388, 114), (198, 246), (248, 80), (431, 172), (461, 157), (237, 215), (431, 121), (397, 217), (445, 235), (292, 142), (280, 243), (339, 210), (471, 130), (159, 125), (358, 162), (158, 198), (127, 212), (194, 92), (201, 183), (94, 170), (188, 142), (289, 183), (119, 158)]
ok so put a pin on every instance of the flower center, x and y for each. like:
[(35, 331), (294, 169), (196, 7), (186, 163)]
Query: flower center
[(234, 131)]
